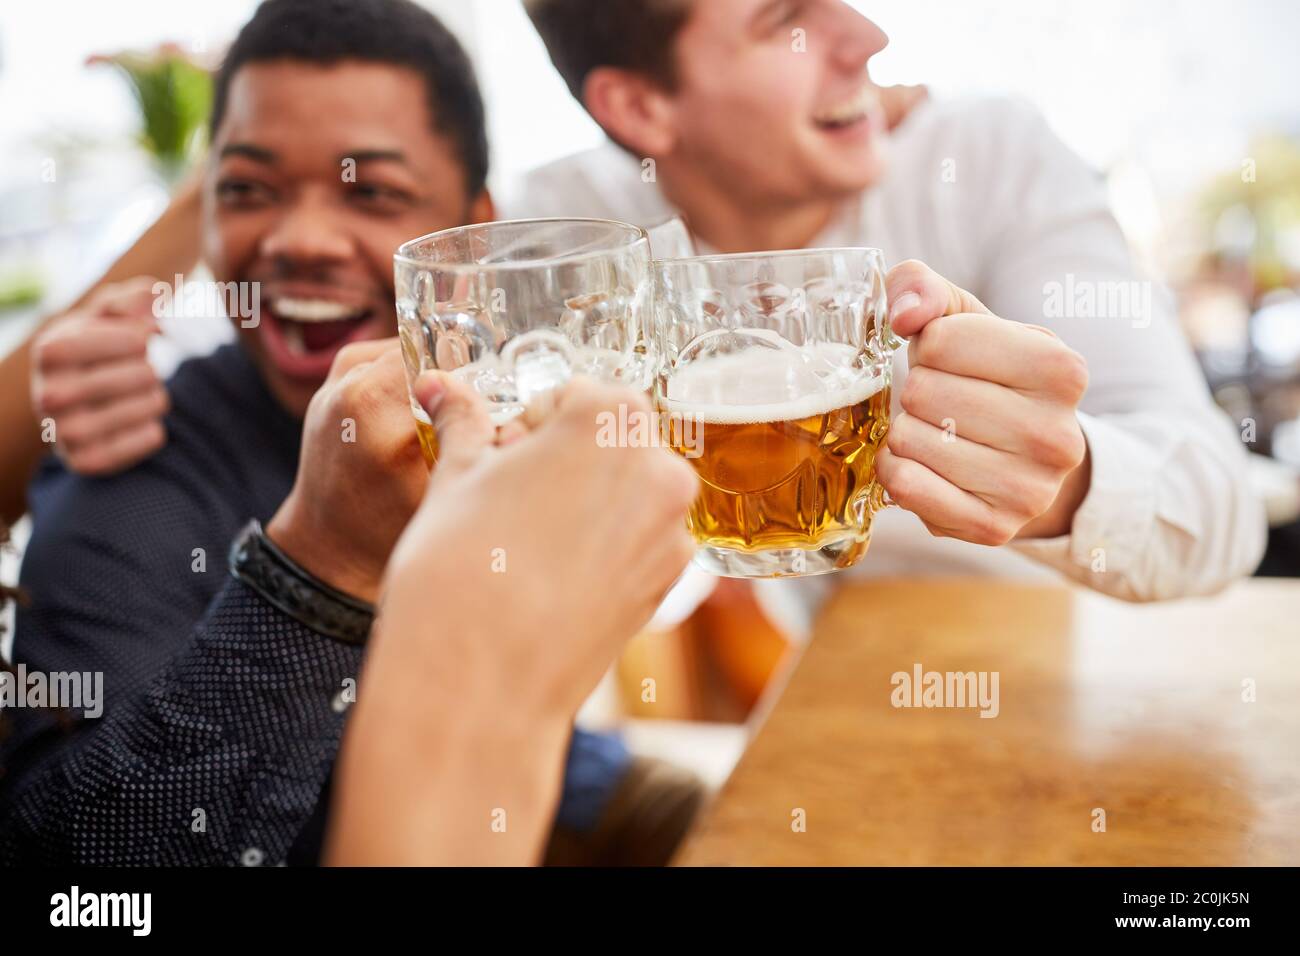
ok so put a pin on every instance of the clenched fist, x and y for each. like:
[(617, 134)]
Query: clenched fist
[(361, 473), (91, 375), (988, 447)]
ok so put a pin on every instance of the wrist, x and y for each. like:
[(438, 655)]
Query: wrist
[(311, 546), (284, 584)]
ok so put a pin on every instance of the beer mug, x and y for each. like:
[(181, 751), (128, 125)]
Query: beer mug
[(774, 385), (518, 307)]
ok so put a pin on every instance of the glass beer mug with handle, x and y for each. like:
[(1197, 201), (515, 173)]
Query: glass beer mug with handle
[(518, 307), (774, 384)]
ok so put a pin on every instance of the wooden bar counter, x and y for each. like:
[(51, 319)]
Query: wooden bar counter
[(1164, 734)]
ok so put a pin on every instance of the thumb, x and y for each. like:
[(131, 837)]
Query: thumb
[(918, 294), (460, 420)]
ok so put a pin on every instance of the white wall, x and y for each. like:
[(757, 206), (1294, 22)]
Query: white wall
[(1178, 83)]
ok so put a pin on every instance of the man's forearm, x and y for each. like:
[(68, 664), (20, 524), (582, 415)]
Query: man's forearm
[(21, 447), (456, 774), (481, 790), (169, 246), (226, 762)]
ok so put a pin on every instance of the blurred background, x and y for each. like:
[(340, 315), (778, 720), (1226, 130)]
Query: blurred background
[(1189, 108)]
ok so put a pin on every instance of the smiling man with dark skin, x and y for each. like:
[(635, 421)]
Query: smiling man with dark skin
[(341, 128), (316, 222)]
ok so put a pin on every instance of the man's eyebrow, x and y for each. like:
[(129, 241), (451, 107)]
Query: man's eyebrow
[(257, 153), (371, 155)]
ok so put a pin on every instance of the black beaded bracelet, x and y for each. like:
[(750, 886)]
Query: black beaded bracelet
[(255, 560)]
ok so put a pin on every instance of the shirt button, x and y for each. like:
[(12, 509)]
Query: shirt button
[(252, 857), (339, 703)]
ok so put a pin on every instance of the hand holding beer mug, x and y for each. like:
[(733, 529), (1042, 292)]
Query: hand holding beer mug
[(516, 308), (775, 383)]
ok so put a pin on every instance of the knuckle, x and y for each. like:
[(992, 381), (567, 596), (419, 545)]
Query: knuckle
[(52, 398), (1041, 498), (933, 341), (136, 339), (1028, 498), (994, 529), (41, 349), (896, 478), (74, 430), (909, 269), (117, 337), (154, 436), (320, 401), (916, 392), (1068, 371), (354, 389), (348, 356), (138, 376), (40, 398), (1060, 447), (54, 347), (902, 440), (350, 351)]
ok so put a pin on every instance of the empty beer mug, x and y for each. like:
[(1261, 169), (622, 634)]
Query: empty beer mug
[(516, 308), (774, 384)]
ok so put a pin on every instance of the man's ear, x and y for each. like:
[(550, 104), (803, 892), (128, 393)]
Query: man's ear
[(482, 209), (632, 109)]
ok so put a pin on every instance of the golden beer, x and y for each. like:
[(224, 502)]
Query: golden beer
[(428, 441), (774, 379), (794, 479)]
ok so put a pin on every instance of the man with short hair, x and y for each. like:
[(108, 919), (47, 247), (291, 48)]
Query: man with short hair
[(1049, 401), (226, 698)]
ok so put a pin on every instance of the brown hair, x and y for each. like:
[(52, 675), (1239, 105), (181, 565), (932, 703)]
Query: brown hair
[(636, 35)]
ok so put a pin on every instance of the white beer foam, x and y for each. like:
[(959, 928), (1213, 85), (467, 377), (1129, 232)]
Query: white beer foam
[(754, 386)]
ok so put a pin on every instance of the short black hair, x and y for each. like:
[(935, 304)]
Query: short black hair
[(376, 31)]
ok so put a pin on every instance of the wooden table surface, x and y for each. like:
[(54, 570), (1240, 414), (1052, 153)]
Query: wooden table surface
[(1142, 712)]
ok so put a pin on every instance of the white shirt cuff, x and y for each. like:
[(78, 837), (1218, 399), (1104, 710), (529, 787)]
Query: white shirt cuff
[(1114, 523)]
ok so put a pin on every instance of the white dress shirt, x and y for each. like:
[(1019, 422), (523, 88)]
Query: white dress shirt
[(987, 196)]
